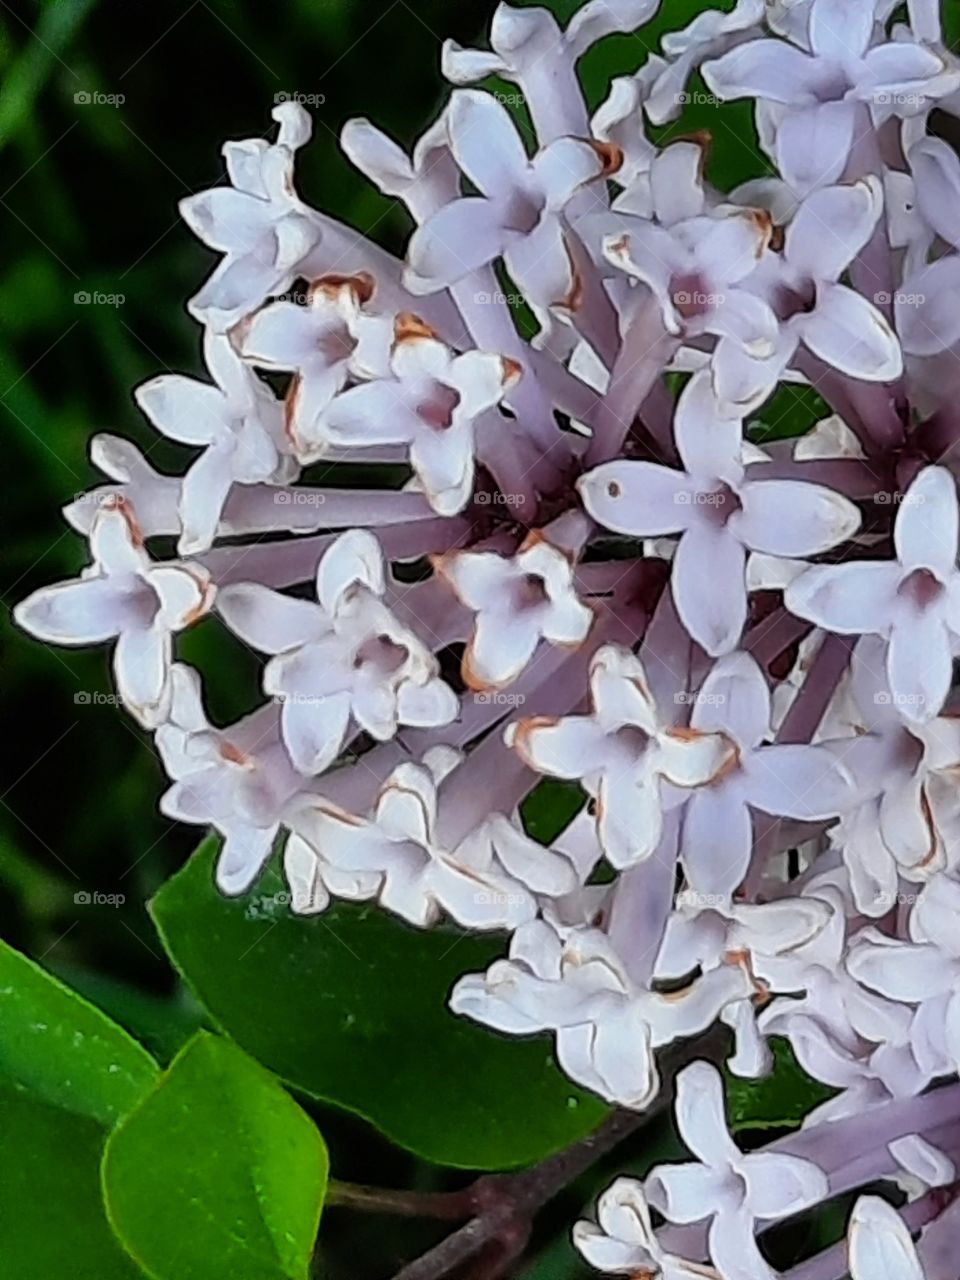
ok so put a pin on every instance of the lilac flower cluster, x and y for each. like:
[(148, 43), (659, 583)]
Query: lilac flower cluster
[(743, 654)]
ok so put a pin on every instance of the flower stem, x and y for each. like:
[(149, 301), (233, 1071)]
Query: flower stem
[(505, 1204), (451, 1206)]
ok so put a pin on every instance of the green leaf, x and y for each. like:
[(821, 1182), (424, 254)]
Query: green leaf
[(791, 411), (350, 1007), (550, 807), (67, 1073), (64, 1050), (52, 1224), (781, 1100), (217, 1173)]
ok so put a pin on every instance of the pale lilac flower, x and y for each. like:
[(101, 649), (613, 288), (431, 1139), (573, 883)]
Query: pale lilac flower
[(343, 661), (517, 601), (786, 780), (732, 1190), (623, 1241), (126, 597), (825, 87), (572, 982), (518, 213), (721, 512), (237, 422), (242, 782), (529, 48), (430, 402), (839, 325), (695, 262), (258, 222), (711, 33), (912, 601), (325, 343), (623, 752), (483, 881)]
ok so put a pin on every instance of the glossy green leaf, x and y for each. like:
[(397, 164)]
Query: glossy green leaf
[(64, 1050), (217, 1173), (350, 1007), (791, 411), (67, 1073), (779, 1101), (550, 807), (52, 1223)]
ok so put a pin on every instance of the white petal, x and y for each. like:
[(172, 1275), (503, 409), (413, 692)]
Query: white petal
[(708, 440), (831, 227), (879, 1243), (920, 665), (245, 850), (701, 1116), (841, 29), (850, 334), (793, 517), (458, 239), (203, 495), (184, 409), (268, 620), (813, 144), (709, 587), (717, 840), (85, 612), (769, 69), (356, 557), (486, 144), (141, 664), (926, 530), (849, 598), (780, 1186), (928, 320), (639, 498)]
